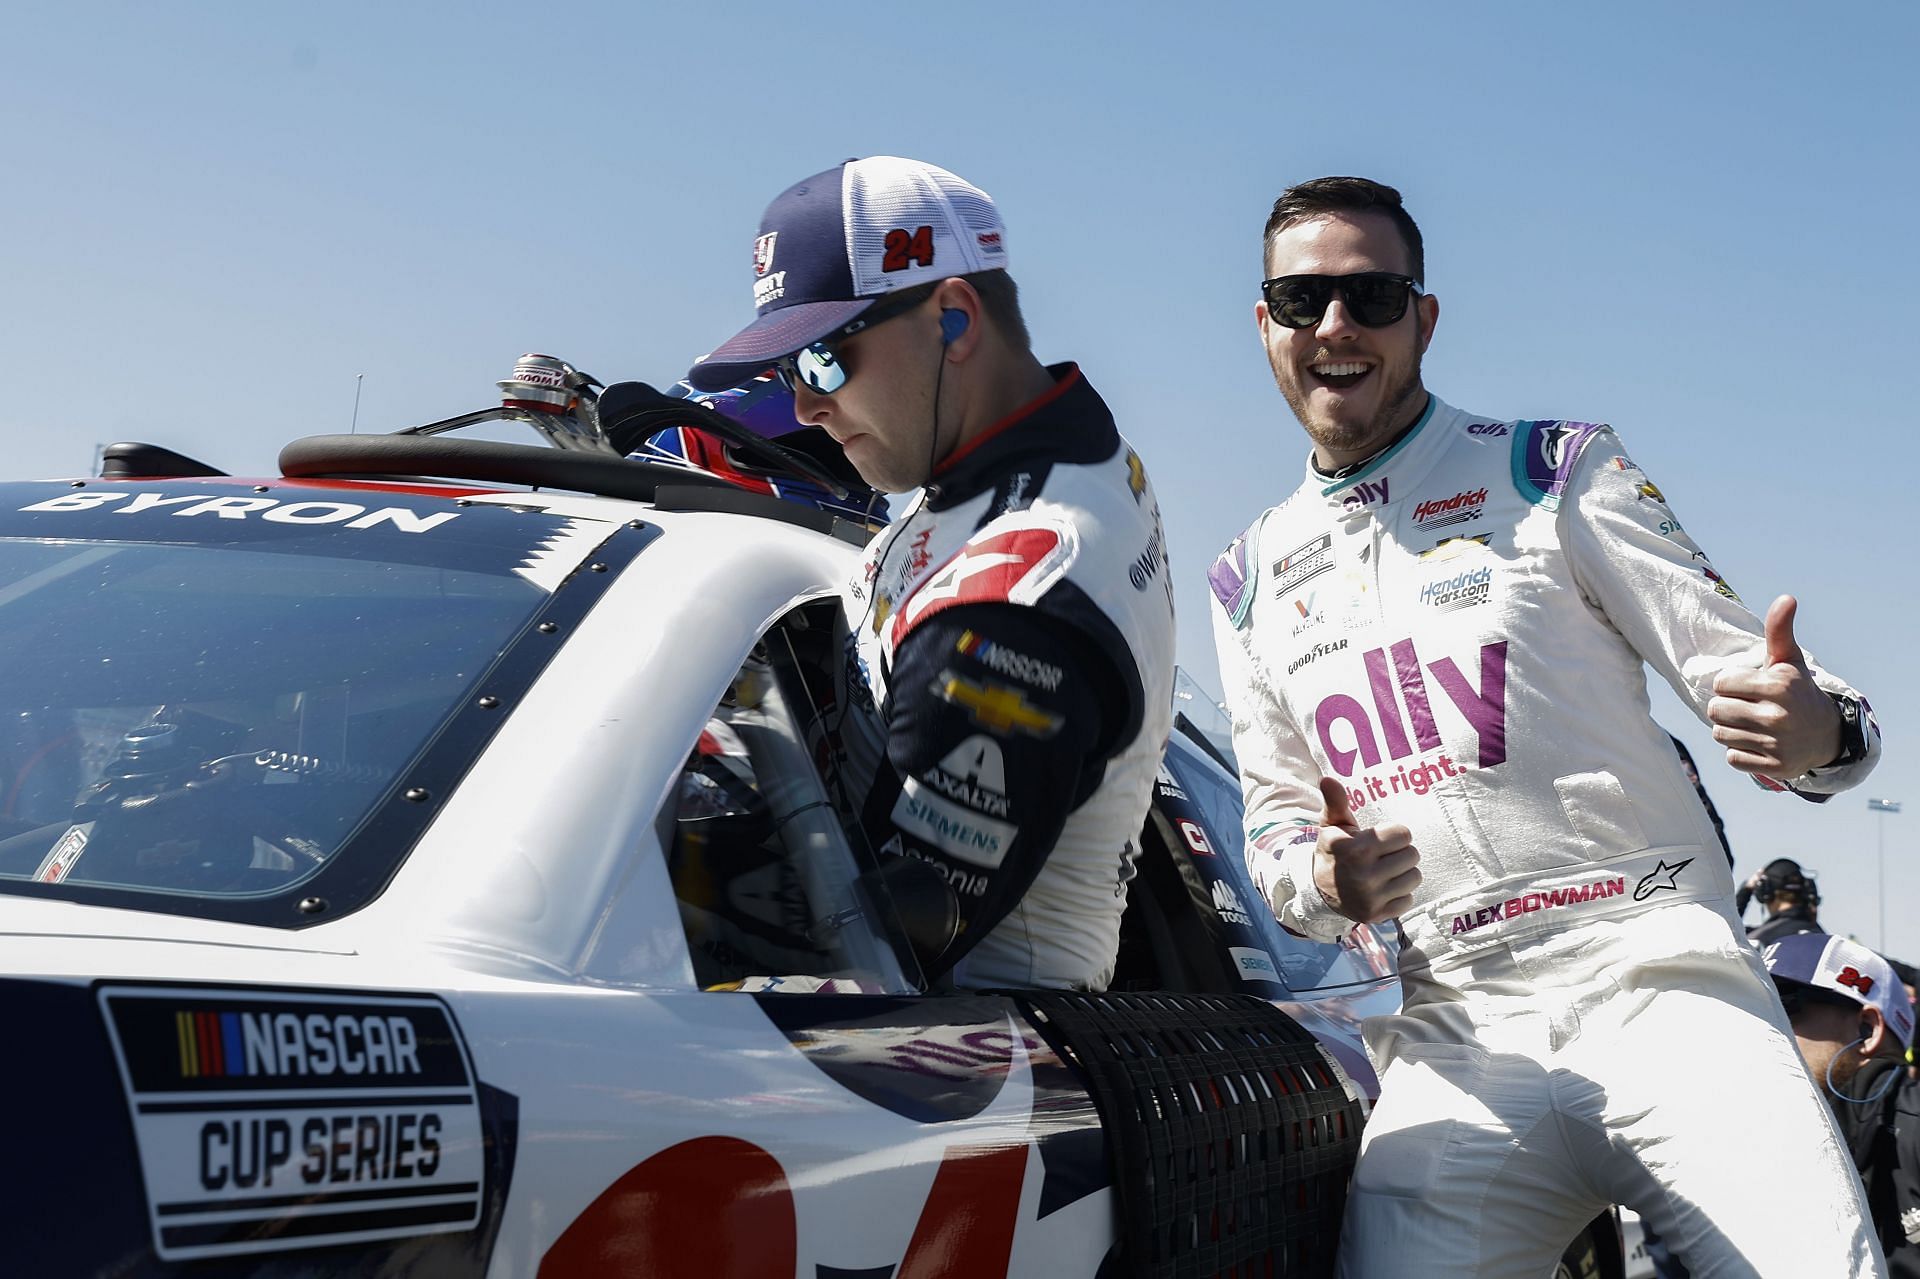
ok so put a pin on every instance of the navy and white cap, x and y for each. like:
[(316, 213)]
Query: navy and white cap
[(1846, 968), (831, 244)]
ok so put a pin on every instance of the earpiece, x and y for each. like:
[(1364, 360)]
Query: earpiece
[(1866, 1031), (953, 322)]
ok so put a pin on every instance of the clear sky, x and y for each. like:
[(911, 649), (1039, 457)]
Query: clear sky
[(1694, 221)]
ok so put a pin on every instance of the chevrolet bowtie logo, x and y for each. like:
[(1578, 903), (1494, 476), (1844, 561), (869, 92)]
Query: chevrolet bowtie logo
[(995, 707), (1653, 882)]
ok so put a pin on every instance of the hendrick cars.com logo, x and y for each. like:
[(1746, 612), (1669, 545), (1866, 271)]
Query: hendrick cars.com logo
[(270, 1120)]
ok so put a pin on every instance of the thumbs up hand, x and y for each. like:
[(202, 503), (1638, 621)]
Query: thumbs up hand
[(1775, 720), (1366, 875)]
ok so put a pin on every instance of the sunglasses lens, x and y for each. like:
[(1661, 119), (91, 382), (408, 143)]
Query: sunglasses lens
[(1374, 300), (818, 369), (1377, 300), (1299, 303)]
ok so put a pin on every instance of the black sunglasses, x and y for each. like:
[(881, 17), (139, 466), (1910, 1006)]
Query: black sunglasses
[(1374, 298), (820, 367)]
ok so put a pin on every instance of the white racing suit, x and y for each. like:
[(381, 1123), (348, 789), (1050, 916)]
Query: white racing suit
[(1457, 633), (1015, 634)]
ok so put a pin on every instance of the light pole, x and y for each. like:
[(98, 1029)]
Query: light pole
[(1882, 807)]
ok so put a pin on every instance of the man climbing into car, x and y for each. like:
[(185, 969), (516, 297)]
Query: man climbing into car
[(1014, 629)]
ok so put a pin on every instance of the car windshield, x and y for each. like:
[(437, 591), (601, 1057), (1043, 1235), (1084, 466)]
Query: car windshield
[(211, 708)]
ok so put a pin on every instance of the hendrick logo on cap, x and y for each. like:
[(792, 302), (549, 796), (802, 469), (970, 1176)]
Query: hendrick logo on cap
[(763, 253)]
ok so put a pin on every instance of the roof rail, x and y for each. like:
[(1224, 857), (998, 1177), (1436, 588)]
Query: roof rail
[(389, 456)]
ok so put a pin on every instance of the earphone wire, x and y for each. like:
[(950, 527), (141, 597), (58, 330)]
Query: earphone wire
[(1879, 1092)]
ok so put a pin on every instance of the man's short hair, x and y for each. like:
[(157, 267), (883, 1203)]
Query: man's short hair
[(1322, 196), (1000, 298)]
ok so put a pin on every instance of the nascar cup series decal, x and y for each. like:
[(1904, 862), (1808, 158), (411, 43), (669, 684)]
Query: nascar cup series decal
[(269, 1120)]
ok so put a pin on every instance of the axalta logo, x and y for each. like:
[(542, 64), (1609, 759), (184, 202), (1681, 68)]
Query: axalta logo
[(1461, 506), (270, 509), (1528, 903), (1483, 708), (1364, 494), (974, 774), (1489, 430), (237, 1045)]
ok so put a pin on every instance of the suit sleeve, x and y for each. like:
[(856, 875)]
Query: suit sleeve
[(1633, 561), (1279, 778), (1002, 721)]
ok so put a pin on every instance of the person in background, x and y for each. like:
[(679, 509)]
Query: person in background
[(1788, 895), (1853, 1020)]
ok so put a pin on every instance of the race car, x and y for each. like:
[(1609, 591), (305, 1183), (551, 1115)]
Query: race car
[(430, 860)]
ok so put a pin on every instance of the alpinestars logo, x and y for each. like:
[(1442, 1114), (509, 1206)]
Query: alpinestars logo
[(1661, 876)]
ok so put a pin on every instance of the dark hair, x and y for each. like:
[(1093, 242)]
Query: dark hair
[(999, 298), (1346, 195)]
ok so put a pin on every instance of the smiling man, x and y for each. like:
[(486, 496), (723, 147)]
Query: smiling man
[(1434, 653), (1014, 630)]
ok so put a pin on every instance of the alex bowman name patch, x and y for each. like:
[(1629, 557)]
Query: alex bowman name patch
[(269, 1121)]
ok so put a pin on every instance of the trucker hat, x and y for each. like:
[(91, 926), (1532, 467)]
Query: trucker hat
[(831, 244), (1846, 968)]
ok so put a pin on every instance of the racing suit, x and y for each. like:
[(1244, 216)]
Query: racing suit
[(1457, 632), (1015, 635)]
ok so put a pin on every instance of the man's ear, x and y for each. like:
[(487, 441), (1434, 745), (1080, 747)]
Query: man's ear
[(1427, 308), (1873, 1029)]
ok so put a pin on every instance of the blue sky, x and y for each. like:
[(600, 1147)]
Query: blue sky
[(1694, 222)]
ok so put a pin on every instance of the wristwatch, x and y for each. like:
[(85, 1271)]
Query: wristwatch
[(1853, 732)]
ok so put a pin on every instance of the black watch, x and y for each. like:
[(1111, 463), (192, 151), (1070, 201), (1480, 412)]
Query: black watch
[(1853, 732)]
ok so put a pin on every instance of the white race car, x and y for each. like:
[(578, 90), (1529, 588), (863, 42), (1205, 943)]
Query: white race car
[(402, 876)]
